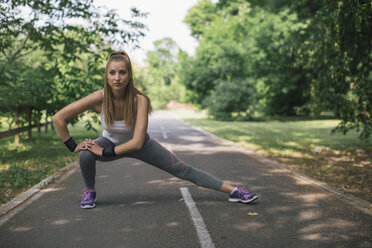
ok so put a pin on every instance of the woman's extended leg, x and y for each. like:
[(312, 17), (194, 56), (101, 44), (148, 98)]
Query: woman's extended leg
[(155, 154)]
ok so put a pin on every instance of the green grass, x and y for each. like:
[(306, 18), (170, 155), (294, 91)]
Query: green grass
[(291, 141), (25, 165)]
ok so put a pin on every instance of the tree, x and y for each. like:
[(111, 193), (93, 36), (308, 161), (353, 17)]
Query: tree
[(159, 76), (341, 62), (303, 57), (250, 44), (200, 16), (66, 55), (163, 59)]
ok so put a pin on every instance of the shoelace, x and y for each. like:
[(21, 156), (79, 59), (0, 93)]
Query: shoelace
[(86, 195), (243, 191)]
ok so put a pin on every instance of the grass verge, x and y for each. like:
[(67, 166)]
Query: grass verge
[(307, 146), (23, 166)]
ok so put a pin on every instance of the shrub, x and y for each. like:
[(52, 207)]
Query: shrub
[(234, 99)]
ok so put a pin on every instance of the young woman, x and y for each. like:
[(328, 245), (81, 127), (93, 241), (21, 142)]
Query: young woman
[(124, 114)]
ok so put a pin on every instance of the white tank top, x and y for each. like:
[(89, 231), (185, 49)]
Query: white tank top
[(118, 133)]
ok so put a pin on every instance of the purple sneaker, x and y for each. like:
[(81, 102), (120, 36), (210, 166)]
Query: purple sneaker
[(89, 197), (241, 194)]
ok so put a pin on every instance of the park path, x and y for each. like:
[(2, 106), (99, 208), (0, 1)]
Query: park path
[(141, 206)]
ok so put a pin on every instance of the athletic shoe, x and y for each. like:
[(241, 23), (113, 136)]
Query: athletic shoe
[(89, 197), (241, 194)]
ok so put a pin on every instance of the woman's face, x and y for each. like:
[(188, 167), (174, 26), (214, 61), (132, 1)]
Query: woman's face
[(117, 75)]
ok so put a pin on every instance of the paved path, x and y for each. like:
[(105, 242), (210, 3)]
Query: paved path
[(141, 206)]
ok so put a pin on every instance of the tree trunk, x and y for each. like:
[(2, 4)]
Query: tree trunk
[(10, 125), (46, 122), (16, 119), (30, 123), (38, 128)]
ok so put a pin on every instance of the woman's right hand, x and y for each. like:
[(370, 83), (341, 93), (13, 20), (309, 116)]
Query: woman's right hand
[(82, 146)]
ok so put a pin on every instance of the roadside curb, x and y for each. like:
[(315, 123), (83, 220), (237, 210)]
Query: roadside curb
[(354, 201), (22, 198)]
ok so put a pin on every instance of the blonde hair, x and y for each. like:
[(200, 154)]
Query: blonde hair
[(129, 94)]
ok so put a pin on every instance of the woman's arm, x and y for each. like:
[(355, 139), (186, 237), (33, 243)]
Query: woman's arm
[(72, 110), (139, 135)]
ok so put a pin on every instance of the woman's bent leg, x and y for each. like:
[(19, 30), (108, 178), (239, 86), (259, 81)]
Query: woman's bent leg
[(87, 161), (155, 154)]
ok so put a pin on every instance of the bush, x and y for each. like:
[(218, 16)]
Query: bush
[(232, 100)]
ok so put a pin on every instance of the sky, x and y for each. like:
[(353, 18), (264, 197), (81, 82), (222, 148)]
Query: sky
[(165, 19)]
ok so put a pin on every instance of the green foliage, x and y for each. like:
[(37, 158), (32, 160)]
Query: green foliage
[(200, 16), (305, 57), (163, 60), (346, 80), (215, 60), (158, 78), (254, 44), (48, 61), (286, 87), (232, 100)]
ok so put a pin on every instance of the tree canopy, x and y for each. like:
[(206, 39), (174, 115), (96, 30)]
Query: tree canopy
[(159, 77), (283, 58), (53, 52)]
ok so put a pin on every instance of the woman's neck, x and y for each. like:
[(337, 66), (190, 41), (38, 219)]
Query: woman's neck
[(118, 95)]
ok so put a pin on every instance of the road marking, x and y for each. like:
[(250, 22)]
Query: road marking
[(163, 131), (165, 135), (203, 234)]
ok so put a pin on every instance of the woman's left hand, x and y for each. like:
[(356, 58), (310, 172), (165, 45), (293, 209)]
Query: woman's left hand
[(94, 147)]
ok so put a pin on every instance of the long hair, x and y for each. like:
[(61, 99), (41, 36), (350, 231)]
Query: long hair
[(130, 104)]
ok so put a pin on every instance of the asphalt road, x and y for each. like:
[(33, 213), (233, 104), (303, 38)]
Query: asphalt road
[(141, 206)]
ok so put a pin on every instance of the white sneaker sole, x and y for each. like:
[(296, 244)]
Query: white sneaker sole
[(89, 206), (243, 201)]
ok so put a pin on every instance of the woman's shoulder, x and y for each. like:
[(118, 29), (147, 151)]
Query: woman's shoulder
[(94, 97), (141, 98), (98, 93), (97, 97)]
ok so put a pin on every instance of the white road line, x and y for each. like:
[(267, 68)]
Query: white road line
[(203, 234), (164, 133)]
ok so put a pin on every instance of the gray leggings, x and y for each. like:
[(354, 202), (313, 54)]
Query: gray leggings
[(154, 154)]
